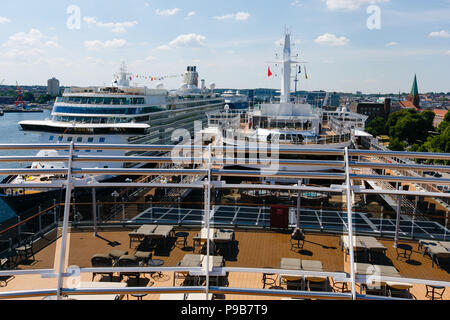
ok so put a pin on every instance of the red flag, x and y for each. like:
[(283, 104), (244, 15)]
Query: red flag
[(269, 73)]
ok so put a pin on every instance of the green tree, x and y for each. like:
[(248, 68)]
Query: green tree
[(28, 96), (44, 98), (428, 117), (396, 145), (376, 127)]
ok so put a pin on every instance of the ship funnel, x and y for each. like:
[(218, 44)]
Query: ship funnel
[(203, 84), (191, 76)]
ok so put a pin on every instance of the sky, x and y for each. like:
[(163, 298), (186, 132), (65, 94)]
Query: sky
[(373, 46)]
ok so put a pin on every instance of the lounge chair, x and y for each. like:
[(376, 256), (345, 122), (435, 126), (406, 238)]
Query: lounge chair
[(128, 261), (437, 254), (102, 261), (296, 282)]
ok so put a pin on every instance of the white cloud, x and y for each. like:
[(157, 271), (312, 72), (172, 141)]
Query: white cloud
[(448, 52), (440, 34), (142, 61), (331, 40), (192, 13), (108, 44), (188, 40), (240, 16), (33, 39), (116, 27), (163, 47), (167, 12), (4, 20), (391, 44), (296, 3), (350, 4)]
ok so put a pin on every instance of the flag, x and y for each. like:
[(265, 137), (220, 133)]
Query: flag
[(306, 74), (269, 73)]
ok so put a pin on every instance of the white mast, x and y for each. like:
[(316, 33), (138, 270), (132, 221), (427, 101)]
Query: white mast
[(122, 78), (286, 78)]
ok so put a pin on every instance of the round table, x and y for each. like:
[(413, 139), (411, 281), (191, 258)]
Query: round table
[(269, 278), (183, 235), (139, 296), (433, 292), (156, 263), (407, 250)]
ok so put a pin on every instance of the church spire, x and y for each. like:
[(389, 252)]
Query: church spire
[(414, 95)]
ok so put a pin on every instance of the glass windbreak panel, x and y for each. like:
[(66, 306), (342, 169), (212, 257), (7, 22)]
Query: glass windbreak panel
[(29, 236)]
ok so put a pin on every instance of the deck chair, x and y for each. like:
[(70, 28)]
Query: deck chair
[(128, 261), (102, 261)]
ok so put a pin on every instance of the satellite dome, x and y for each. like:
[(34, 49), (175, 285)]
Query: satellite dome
[(212, 86)]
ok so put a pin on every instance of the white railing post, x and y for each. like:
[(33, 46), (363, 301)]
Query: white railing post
[(299, 197), (65, 227), (350, 225), (397, 221), (94, 211), (207, 208)]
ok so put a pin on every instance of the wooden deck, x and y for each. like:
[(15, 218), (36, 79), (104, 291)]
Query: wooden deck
[(253, 249)]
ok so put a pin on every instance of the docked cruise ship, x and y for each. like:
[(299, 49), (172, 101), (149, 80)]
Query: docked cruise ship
[(116, 114), (236, 100), (289, 124)]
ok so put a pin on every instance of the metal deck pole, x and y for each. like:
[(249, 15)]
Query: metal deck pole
[(62, 255), (94, 211), (397, 221), (207, 208), (299, 197), (350, 226)]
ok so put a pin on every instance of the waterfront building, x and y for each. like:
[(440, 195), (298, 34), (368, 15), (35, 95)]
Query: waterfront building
[(53, 87)]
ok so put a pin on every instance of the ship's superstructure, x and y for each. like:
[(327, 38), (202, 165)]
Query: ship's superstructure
[(287, 124)]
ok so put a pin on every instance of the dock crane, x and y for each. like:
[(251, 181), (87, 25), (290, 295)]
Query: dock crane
[(19, 97)]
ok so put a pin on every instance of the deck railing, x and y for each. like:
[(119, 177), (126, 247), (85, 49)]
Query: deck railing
[(211, 182)]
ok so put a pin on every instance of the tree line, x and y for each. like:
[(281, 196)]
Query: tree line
[(411, 130)]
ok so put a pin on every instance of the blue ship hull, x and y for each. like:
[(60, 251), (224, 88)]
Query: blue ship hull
[(238, 105)]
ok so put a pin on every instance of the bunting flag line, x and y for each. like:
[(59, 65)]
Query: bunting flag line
[(269, 73), (154, 78)]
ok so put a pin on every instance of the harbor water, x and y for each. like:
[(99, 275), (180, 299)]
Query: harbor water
[(10, 132)]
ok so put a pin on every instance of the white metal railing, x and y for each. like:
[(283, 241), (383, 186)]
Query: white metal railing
[(207, 185)]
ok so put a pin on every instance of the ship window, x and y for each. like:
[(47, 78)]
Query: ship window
[(102, 140), (88, 150), (79, 139), (60, 138), (69, 139), (90, 140), (51, 138), (99, 150)]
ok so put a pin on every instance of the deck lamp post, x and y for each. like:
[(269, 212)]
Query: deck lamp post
[(115, 194)]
